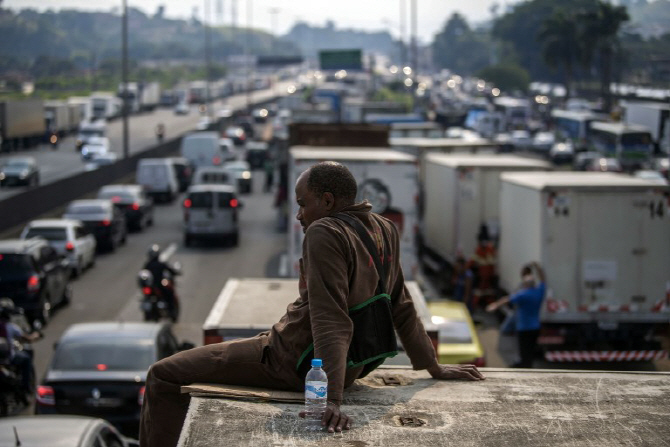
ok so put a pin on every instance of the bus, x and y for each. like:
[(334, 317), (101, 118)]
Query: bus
[(516, 112), (573, 126), (631, 144)]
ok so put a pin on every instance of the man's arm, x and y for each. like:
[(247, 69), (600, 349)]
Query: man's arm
[(540, 272)]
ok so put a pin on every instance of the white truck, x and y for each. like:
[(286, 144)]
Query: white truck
[(460, 196), (654, 116), (105, 106), (141, 97), (602, 239), (386, 178), (57, 117), (247, 306)]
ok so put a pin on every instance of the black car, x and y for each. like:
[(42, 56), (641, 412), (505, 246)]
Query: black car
[(18, 171), (34, 276), (80, 431), (102, 218), (133, 201), (257, 154), (183, 169), (99, 369)]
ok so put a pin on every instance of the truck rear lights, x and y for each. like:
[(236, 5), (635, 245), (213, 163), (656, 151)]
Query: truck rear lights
[(135, 206), (69, 246), (187, 203)]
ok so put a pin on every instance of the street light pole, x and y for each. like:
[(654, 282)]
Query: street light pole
[(247, 55), (124, 75), (205, 21)]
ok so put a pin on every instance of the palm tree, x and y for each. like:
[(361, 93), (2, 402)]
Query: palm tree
[(600, 40), (560, 44)]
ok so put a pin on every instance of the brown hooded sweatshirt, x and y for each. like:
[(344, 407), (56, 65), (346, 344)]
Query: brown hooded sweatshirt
[(337, 273)]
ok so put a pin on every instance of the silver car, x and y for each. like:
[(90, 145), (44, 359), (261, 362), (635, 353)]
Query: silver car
[(69, 237)]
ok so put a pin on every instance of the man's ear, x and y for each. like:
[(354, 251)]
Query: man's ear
[(328, 200)]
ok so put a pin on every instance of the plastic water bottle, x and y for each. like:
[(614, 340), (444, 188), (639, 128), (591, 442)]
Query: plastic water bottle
[(316, 394)]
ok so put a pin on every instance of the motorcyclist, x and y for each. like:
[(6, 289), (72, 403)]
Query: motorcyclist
[(8, 354), (158, 268), (160, 131)]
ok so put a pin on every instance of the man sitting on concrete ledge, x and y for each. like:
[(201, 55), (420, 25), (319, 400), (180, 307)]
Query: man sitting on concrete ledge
[(352, 297)]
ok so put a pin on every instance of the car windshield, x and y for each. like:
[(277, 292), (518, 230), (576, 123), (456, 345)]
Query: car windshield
[(201, 199), (113, 354), (17, 164), (116, 195), (454, 331), (85, 209), (10, 263), (50, 234)]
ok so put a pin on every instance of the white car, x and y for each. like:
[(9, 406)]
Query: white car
[(69, 237), (241, 172), (521, 139), (95, 147)]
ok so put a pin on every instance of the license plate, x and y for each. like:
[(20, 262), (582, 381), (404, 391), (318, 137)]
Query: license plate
[(146, 305)]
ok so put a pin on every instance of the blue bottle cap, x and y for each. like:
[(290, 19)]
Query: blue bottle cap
[(316, 363)]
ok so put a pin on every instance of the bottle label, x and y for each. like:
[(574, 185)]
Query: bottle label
[(316, 390)]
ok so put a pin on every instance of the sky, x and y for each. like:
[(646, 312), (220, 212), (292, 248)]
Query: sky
[(278, 16)]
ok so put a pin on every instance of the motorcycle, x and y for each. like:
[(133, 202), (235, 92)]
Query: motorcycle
[(153, 303), (160, 133), (53, 140), (13, 398)]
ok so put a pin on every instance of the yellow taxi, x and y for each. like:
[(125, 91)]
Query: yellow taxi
[(457, 340)]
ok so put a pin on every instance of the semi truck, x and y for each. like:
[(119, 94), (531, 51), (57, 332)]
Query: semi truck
[(460, 201), (57, 117), (385, 177), (105, 106), (602, 239), (248, 306), (395, 406), (21, 124), (141, 97)]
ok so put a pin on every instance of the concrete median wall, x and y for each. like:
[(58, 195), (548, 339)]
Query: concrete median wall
[(34, 202)]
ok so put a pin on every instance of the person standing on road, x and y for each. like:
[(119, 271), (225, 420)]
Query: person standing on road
[(527, 302), (337, 273)]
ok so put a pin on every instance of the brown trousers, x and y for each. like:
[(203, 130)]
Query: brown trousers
[(247, 362)]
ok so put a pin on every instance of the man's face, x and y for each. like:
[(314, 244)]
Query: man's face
[(310, 206)]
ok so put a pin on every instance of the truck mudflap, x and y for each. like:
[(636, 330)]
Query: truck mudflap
[(605, 356)]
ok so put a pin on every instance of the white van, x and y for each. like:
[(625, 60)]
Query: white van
[(203, 149), (211, 211), (158, 177), (213, 175)]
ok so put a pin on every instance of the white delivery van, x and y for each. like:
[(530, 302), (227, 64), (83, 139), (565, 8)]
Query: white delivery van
[(211, 212), (203, 149), (158, 177), (213, 175)]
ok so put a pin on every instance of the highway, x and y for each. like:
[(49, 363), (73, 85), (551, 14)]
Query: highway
[(66, 161)]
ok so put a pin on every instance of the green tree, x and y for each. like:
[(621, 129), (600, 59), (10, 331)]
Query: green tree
[(561, 44), (507, 77), (601, 41), (459, 48)]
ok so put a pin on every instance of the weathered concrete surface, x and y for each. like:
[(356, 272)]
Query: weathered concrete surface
[(512, 407)]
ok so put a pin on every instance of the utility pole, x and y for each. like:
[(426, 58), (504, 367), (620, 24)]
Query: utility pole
[(124, 75), (205, 22), (415, 50), (403, 48)]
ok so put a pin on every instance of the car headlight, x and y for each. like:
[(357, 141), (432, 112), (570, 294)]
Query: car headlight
[(2, 175), (84, 151), (23, 174), (246, 175)]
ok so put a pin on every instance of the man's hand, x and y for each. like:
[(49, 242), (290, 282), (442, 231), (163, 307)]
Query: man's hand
[(333, 418), (445, 372)]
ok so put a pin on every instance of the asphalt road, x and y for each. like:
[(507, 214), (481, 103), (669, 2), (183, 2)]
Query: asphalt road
[(66, 160)]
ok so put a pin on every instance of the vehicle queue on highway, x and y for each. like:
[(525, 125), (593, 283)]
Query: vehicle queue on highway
[(103, 216)]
